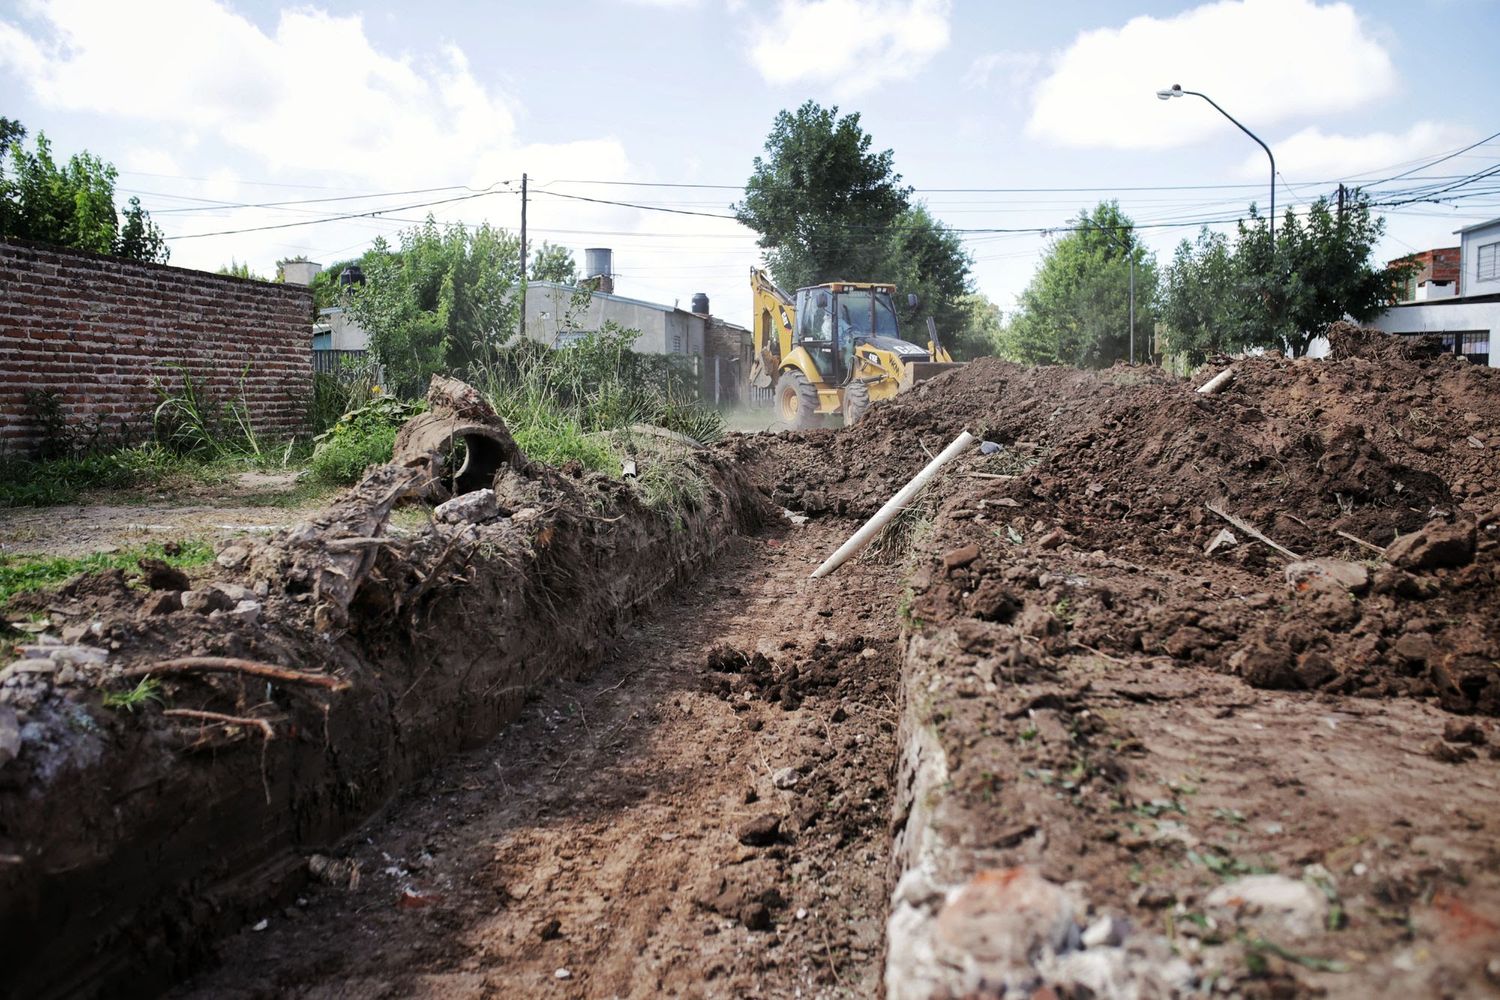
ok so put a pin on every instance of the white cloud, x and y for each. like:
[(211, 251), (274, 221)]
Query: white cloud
[(853, 45), (1312, 154), (1010, 71), (1265, 61)]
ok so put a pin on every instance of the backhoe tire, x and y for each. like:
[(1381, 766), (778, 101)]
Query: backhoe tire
[(856, 402), (796, 400)]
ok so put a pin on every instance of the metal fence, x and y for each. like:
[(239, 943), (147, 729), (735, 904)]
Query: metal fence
[(327, 361)]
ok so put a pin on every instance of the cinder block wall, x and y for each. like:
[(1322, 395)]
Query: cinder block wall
[(97, 331)]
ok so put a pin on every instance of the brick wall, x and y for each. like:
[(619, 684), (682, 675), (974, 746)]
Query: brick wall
[(97, 331)]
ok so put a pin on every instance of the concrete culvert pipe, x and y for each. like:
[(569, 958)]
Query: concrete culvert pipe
[(459, 418)]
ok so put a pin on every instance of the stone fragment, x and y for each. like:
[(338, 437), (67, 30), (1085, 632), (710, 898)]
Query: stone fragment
[(960, 557), (469, 508), (1327, 574), (762, 831), (1286, 908), (1437, 546), (245, 612), (786, 778)]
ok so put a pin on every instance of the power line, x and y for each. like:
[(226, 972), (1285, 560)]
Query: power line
[(338, 218)]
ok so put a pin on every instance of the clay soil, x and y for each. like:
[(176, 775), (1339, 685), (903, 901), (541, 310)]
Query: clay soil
[(704, 815)]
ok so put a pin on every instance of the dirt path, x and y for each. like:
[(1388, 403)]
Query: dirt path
[(598, 847), (255, 503)]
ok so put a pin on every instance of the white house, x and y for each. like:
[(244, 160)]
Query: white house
[(1468, 322)]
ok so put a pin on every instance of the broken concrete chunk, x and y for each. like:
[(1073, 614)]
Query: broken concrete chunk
[(1286, 908), (1437, 546), (999, 923), (1327, 574), (245, 612), (471, 508), (204, 601), (234, 591), (1224, 539)]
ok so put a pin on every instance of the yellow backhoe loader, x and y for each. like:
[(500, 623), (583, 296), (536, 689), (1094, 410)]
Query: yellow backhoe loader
[(834, 349)]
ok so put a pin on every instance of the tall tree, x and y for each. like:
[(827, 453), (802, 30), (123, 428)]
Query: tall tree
[(1220, 297), (1076, 310), (828, 208), (550, 262), (823, 203), (71, 205), (1201, 300), (440, 302)]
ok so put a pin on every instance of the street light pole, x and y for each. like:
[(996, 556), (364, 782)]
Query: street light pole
[(1176, 91)]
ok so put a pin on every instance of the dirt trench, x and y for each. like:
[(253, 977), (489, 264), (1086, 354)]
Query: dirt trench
[(704, 815)]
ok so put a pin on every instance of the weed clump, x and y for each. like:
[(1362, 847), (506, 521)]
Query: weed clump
[(360, 438)]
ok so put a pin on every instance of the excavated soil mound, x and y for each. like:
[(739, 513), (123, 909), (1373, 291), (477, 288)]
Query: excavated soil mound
[(1331, 459)]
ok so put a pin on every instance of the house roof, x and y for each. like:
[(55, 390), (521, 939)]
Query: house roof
[(610, 296), (1456, 300), (1477, 225)]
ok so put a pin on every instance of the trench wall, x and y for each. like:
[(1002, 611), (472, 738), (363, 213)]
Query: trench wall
[(98, 331), (136, 851)]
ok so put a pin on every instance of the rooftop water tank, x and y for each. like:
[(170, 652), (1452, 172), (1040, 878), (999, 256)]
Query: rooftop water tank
[(598, 261), (700, 302)]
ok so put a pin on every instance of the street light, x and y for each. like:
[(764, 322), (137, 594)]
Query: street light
[(1176, 91)]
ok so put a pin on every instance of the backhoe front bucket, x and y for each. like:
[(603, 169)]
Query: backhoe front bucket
[(921, 371)]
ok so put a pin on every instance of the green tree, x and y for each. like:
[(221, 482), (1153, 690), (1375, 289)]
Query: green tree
[(1201, 299), (442, 301), (827, 208), (550, 262), (823, 203), (1222, 298), (980, 334), (1076, 310), (240, 269), (70, 205)]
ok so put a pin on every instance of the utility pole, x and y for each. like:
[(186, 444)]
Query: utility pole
[(521, 322), (1341, 206)]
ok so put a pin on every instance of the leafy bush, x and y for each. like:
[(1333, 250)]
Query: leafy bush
[(598, 384), (360, 438), (349, 386)]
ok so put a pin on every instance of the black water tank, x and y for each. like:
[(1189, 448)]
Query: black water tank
[(700, 302), (351, 275)]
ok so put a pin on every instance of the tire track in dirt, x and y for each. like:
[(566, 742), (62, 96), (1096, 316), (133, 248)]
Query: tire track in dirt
[(601, 834)]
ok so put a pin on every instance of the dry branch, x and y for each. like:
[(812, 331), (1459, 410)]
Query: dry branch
[(233, 665), (1360, 541), (1248, 529)]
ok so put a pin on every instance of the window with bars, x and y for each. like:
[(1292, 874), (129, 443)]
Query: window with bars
[(1488, 262), (1474, 346)]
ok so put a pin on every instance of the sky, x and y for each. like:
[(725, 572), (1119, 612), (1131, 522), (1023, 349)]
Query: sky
[(227, 117)]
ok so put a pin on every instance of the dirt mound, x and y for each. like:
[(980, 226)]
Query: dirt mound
[(1330, 459)]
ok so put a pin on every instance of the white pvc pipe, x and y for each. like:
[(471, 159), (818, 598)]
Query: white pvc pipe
[(862, 537), (1216, 383)]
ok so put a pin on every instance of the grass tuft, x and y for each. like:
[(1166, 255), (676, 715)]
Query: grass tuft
[(148, 690), (21, 573)]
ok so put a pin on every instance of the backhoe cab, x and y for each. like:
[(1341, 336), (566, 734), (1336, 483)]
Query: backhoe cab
[(834, 349)]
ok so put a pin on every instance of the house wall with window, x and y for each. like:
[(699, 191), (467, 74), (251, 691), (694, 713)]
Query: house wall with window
[(1469, 326), (1481, 258)]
